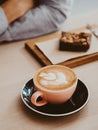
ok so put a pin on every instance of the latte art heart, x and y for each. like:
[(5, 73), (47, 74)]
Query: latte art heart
[(51, 78), (48, 76), (54, 77)]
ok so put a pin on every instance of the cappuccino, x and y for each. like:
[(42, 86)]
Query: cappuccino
[(54, 77), (54, 84)]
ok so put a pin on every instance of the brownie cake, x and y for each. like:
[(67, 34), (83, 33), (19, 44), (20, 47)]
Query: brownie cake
[(75, 41)]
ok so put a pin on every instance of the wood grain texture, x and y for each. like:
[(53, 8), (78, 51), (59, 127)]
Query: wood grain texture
[(74, 62)]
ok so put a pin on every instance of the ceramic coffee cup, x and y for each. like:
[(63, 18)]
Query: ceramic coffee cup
[(54, 84)]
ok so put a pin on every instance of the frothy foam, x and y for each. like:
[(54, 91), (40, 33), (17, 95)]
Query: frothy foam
[(50, 78), (55, 77)]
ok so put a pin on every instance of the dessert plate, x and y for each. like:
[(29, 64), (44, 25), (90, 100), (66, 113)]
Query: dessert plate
[(76, 103)]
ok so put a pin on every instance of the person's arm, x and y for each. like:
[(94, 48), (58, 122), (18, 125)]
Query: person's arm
[(45, 18), (15, 9), (10, 11)]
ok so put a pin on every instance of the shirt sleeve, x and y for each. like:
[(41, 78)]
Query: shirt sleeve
[(3, 21), (44, 19)]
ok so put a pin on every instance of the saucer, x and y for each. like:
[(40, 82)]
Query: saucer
[(75, 104)]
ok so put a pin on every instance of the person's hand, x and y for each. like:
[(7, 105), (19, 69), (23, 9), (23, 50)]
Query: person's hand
[(14, 9)]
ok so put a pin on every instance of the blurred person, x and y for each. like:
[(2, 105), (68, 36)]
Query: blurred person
[(25, 19)]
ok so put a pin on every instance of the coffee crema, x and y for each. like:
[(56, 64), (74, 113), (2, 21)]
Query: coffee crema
[(55, 77)]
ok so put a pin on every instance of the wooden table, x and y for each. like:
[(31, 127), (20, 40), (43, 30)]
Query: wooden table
[(17, 66)]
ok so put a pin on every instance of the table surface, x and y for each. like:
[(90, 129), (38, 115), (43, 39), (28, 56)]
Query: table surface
[(17, 66)]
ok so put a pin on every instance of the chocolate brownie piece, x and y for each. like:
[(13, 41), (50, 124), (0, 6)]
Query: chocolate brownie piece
[(75, 41)]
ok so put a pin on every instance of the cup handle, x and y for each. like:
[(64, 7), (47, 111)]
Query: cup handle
[(35, 101)]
